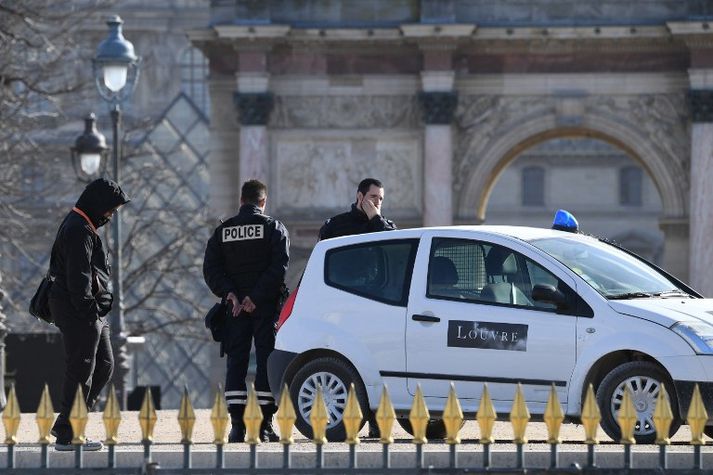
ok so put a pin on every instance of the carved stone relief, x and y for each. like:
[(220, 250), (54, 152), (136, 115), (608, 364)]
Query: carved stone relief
[(318, 173), (345, 112), (661, 118), (482, 119)]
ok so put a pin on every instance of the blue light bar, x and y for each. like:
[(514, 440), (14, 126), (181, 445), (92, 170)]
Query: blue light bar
[(565, 221)]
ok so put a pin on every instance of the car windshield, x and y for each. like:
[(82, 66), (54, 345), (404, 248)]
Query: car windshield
[(610, 271)]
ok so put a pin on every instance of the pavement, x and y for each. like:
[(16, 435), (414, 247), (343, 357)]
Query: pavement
[(167, 450)]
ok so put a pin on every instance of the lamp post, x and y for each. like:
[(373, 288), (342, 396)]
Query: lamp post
[(116, 71)]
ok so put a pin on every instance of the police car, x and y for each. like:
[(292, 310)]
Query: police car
[(500, 305)]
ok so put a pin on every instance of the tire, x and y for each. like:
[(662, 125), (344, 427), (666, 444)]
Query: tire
[(336, 375), (644, 380), (435, 429)]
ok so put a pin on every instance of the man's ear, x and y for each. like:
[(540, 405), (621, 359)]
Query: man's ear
[(360, 196), (262, 203)]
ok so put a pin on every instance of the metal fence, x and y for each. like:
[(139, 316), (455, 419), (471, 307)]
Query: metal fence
[(419, 418)]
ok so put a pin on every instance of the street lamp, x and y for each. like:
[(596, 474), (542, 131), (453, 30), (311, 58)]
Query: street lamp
[(89, 150), (116, 71)]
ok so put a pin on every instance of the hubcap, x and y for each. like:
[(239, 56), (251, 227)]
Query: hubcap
[(334, 392), (644, 391)]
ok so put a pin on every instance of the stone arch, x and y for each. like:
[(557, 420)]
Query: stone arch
[(501, 151)]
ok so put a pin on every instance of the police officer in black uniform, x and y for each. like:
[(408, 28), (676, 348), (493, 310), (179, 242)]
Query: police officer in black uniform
[(364, 217), (245, 264)]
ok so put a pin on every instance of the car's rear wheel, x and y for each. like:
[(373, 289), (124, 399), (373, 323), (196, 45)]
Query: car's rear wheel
[(644, 380), (334, 376), (435, 429)]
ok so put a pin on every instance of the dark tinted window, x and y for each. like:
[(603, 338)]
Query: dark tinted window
[(630, 186), (379, 271), (533, 186)]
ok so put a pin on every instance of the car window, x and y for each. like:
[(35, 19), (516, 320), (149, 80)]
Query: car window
[(379, 271), (469, 270), (610, 271)]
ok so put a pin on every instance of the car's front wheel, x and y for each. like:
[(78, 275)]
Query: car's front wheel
[(334, 376), (644, 380)]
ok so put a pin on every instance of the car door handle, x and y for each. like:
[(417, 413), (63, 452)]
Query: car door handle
[(425, 318)]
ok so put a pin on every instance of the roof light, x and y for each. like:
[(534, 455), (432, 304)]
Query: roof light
[(565, 221)]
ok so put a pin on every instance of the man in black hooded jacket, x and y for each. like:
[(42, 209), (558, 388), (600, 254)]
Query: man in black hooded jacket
[(80, 298)]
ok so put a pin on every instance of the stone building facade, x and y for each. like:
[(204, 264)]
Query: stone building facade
[(439, 97)]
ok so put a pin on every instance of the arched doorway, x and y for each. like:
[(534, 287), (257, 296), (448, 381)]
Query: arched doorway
[(486, 156), (611, 194)]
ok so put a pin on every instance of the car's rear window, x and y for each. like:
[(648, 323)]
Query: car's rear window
[(377, 270)]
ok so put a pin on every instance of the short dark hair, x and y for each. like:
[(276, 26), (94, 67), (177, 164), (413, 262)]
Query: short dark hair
[(253, 192), (366, 183)]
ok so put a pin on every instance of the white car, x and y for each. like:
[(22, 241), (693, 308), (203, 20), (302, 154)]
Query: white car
[(491, 304)]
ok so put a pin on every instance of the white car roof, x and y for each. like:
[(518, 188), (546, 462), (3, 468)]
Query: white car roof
[(524, 233)]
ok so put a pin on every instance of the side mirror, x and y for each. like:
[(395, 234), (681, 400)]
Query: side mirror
[(549, 294)]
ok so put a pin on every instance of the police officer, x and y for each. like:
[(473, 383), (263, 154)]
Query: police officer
[(245, 264), (365, 215)]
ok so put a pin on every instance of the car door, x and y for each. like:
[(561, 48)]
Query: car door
[(471, 320)]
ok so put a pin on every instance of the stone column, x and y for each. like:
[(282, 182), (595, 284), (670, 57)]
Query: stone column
[(3, 334), (224, 159), (676, 244), (438, 103), (254, 104), (701, 217)]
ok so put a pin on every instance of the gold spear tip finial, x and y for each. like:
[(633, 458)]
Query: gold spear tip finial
[(286, 416), (663, 417), (319, 418), (111, 417), (553, 416), (252, 417), (78, 417), (385, 417), (352, 417), (11, 417), (627, 418), (590, 416), (45, 416), (147, 417), (452, 417), (219, 418), (419, 417), (519, 416), (186, 417), (486, 417), (697, 417)]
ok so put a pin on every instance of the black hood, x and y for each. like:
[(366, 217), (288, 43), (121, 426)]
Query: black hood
[(100, 196)]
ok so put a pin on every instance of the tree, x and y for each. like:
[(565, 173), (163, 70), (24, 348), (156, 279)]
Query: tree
[(45, 83)]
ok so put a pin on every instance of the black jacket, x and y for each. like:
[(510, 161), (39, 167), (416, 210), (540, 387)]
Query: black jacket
[(82, 288), (354, 222), (247, 255)]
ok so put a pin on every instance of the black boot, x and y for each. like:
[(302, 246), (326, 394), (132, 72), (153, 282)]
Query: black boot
[(267, 433), (374, 431), (237, 431)]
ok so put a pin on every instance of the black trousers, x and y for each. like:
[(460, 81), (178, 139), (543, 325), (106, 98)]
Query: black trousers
[(241, 331), (89, 362)]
